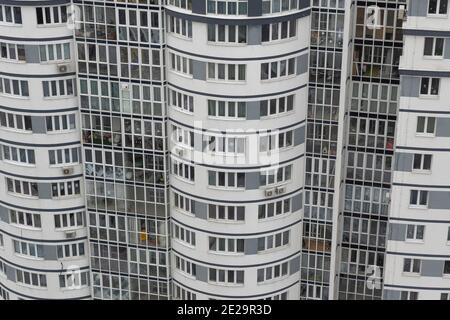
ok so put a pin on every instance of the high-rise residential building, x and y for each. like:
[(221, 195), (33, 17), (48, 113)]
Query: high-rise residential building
[(224, 149)]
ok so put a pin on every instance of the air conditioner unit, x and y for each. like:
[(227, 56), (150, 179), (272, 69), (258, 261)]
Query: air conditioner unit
[(67, 171), (71, 234), (268, 192), (180, 152), (402, 12), (125, 86), (63, 68), (280, 190)]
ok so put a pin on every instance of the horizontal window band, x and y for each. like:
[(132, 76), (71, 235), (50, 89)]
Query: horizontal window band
[(268, 131), (121, 42), (38, 111), (423, 149), (243, 20), (424, 73), (43, 240), (40, 145), (37, 76), (130, 183), (28, 209), (268, 95), (424, 255), (265, 200), (234, 235), (234, 169), (128, 245), (418, 220), (120, 5), (396, 286), (236, 297), (424, 111), (238, 59), (208, 264), (130, 275), (38, 298), (34, 3), (42, 270), (121, 79), (426, 33), (18, 39), (41, 178), (398, 184)]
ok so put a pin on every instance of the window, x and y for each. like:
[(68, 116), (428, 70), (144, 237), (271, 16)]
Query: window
[(226, 213), (12, 51), (10, 15), (15, 121), (226, 179), (273, 241), (276, 6), (223, 245), (418, 198), (64, 156), (180, 26), (31, 279), (185, 266), (27, 219), (409, 295), (1, 244), (180, 293), (434, 47), (21, 187), (54, 52), (49, 15), (65, 188), (276, 106), (448, 234), (278, 31), (183, 136), (275, 141), (60, 123), (227, 145), (183, 234), (430, 86), (74, 280), (273, 272), (220, 276), (181, 64), (411, 265), (18, 155), (183, 170), (181, 101), (445, 296), (70, 250), (227, 33), (422, 162), (228, 7), (280, 296), (13, 87), (226, 72), (58, 88), (70, 220), (274, 176), (415, 232), (437, 7), (227, 109), (28, 249), (446, 267), (426, 125), (278, 69), (184, 203), (183, 4), (274, 209)]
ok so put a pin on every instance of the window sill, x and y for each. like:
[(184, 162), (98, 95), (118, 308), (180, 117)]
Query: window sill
[(437, 15), (16, 130), (424, 172), (283, 78), (226, 44), (235, 189), (272, 281), (275, 217), (277, 115), (23, 196), (179, 36), (28, 257), (225, 118), (411, 274), (225, 284), (183, 243), (20, 164), (279, 41), (184, 75), (222, 82), (232, 222), (418, 207), (20, 226), (184, 111), (13, 61), (429, 96), (414, 241), (187, 213), (433, 57), (226, 254)]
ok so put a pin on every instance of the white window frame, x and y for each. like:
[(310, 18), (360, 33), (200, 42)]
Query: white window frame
[(25, 219), (281, 73), (288, 103), (61, 123), (223, 110), (426, 124), (221, 245), (227, 181), (20, 186), (270, 241), (419, 195), (183, 170), (15, 155), (286, 176), (434, 47), (269, 210), (64, 187), (11, 122), (430, 83), (415, 266), (272, 273), (68, 156), (218, 273), (28, 249), (416, 231), (14, 52), (438, 5), (35, 279), (69, 221), (181, 65), (70, 250), (231, 34), (183, 235), (58, 51), (228, 214)]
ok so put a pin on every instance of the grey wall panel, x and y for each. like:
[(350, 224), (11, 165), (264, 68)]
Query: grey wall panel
[(403, 161), (297, 202), (10, 273), (254, 35), (439, 200), (410, 86), (397, 232), (199, 70), (50, 252), (447, 48), (32, 53), (211, 178), (418, 8), (294, 265), (38, 124), (299, 135), (302, 64), (251, 246), (254, 8), (199, 7), (44, 190), (200, 209), (198, 141), (432, 268), (442, 127), (252, 180), (389, 294), (201, 273), (4, 214), (253, 110)]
